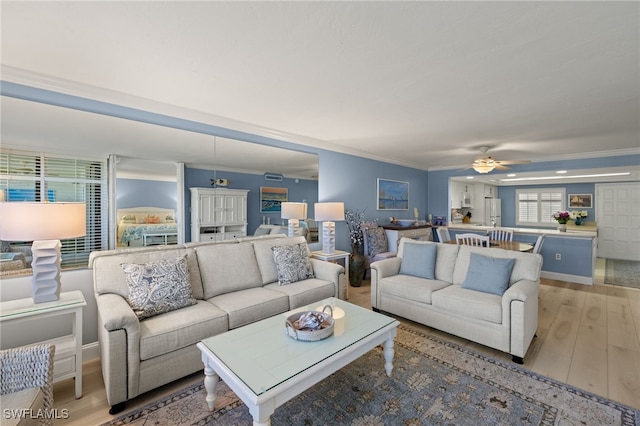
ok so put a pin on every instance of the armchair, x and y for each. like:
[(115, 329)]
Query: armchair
[(376, 244), (26, 382)]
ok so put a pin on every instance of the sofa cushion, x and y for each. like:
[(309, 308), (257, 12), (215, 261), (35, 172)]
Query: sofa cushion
[(488, 274), (262, 230), (158, 287), (246, 306), (461, 302), (526, 267), (292, 263), (419, 260), (178, 329), (446, 257), (305, 292), (376, 241), (264, 255), (227, 267), (410, 287), (108, 276)]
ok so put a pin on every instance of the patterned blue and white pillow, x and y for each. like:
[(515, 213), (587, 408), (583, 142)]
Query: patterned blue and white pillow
[(158, 287), (292, 263), (376, 241)]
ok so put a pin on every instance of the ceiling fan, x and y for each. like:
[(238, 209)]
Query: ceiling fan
[(487, 164)]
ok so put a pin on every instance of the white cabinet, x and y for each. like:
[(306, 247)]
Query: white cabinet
[(490, 191), (218, 214), (457, 189)]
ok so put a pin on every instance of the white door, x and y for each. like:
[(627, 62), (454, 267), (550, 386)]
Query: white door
[(618, 217)]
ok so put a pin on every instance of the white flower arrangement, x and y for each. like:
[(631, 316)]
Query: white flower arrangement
[(574, 214)]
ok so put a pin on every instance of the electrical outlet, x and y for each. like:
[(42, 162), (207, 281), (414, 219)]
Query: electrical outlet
[(558, 256)]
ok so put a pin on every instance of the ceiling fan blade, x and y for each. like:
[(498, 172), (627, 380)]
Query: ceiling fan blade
[(514, 162), (501, 167)]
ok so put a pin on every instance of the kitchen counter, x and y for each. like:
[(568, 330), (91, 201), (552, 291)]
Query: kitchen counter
[(573, 231)]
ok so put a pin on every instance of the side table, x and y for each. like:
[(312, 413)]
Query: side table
[(337, 255), (68, 357)]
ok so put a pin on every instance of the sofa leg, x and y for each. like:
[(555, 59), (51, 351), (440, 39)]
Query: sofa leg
[(375, 309), (517, 359), (115, 409)]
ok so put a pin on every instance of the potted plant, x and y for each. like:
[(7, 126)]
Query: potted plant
[(562, 218), (579, 216)]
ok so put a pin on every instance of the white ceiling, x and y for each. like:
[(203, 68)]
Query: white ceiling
[(421, 84)]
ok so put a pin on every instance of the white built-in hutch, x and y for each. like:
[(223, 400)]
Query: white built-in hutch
[(218, 214)]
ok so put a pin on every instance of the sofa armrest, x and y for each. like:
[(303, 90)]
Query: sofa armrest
[(379, 270), (119, 337), (520, 311), (329, 271)]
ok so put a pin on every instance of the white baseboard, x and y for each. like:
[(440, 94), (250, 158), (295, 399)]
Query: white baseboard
[(90, 352), (566, 277)]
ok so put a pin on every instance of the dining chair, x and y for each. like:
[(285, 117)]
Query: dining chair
[(473, 240), (500, 234), (537, 248), (443, 234)]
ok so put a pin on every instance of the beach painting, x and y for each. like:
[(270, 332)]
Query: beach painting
[(271, 199), (393, 194)]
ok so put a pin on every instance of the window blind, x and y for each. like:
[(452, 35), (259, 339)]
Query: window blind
[(28, 176), (535, 206)]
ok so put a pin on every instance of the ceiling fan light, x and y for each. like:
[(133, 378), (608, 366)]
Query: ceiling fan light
[(483, 168)]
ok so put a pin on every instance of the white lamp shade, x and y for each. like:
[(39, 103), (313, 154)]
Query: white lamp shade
[(293, 210), (31, 221), (329, 211)]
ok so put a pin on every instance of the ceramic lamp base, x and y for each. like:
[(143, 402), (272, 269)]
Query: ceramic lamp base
[(292, 227), (328, 237), (46, 271)]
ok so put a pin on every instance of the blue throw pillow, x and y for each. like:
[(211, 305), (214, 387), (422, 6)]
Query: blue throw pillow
[(419, 260), (488, 274)]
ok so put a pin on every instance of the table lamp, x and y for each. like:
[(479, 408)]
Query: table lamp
[(327, 213), (44, 224), (293, 212)]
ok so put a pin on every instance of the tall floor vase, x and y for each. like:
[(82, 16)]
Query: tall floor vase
[(357, 263)]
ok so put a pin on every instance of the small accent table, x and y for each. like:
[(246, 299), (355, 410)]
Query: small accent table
[(68, 357), (337, 255)]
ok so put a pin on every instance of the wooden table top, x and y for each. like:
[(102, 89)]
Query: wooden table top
[(506, 245)]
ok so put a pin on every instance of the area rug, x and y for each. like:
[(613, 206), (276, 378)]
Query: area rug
[(434, 382), (622, 272)]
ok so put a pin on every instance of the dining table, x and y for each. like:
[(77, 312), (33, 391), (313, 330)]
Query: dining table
[(506, 245)]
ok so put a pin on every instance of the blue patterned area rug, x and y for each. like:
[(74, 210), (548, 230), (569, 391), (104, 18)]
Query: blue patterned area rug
[(622, 272), (434, 382)]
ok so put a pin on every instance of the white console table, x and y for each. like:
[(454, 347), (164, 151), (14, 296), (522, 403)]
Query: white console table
[(68, 356)]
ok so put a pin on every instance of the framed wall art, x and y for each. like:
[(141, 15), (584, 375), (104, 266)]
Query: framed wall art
[(577, 201), (393, 194), (271, 199)]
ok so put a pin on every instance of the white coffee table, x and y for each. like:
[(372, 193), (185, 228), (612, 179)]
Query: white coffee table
[(266, 368)]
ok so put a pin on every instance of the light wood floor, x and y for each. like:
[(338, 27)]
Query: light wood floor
[(588, 337)]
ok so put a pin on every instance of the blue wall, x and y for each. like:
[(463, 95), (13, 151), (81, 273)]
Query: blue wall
[(303, 190), (145, 193)]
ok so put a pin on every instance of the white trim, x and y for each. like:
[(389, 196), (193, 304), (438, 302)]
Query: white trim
[(567, 277), (90, 352)]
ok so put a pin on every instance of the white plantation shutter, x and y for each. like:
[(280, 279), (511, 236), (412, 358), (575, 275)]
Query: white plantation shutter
[(28, 176), (535, 206)]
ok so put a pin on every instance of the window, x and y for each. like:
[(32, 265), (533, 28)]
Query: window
[(535, 206), (28, 176)]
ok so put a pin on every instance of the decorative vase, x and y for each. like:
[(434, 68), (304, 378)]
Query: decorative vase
[(357, 264), (562, 227), (578, 221)]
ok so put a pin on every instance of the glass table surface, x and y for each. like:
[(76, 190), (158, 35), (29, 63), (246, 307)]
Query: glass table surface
[(262, 355)]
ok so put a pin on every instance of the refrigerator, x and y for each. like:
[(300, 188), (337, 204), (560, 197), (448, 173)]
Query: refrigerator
[(492, 213)]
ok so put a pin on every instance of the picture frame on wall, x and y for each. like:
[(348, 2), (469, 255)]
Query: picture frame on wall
[(392, 194), (580, 201), (271, 199)]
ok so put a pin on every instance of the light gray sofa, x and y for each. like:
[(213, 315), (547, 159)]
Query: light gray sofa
[(506, 322), (234, 283)]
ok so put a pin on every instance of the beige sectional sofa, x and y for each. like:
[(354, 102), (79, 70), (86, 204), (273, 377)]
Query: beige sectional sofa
[(460, 298), (233, 283)]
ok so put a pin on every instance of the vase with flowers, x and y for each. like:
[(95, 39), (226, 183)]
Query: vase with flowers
[(357, 264), (562, 218), (579, 216)]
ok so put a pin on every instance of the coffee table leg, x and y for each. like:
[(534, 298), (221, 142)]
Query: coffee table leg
[(210, 383), (388, 355)]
